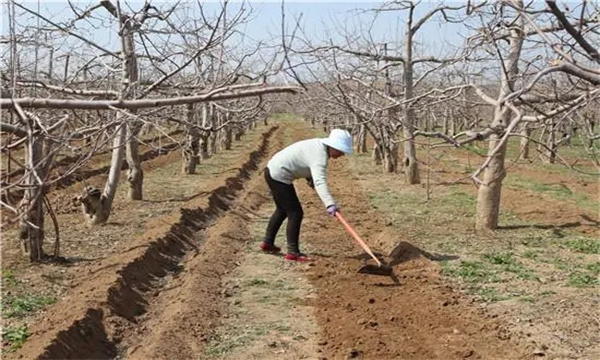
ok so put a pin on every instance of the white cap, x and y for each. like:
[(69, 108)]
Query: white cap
[(340, 140)]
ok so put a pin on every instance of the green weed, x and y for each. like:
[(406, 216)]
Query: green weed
[(500, 258), (9, 279), (584, 245), (283, 328), (19, 306), (594, 268), (508, 263), (561, 264), (462, 199), (536, 239), (15, 336), (581, 279), (531, 185), (472, 271)]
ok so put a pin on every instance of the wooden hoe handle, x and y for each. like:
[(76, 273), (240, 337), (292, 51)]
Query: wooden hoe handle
[(356, 237)]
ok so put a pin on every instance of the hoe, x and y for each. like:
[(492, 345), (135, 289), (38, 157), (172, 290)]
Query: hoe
[(380, 268)]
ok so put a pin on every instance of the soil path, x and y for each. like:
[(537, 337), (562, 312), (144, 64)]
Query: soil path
[(372, 316), (203, 283)]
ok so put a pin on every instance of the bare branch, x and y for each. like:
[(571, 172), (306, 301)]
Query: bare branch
[(13, 129), (216, 95), (66, 90), (68, 31), (572, 31)]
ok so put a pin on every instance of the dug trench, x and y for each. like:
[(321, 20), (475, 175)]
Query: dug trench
[(106, 311)]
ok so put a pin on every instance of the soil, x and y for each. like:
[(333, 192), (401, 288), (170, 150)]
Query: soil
[(175, 284), (376, 318)]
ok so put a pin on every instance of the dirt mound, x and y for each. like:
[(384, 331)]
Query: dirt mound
[(108, 305)]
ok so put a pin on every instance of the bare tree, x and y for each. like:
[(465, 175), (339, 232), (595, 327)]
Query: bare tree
[(397, 97), (523, 95), (112, 86)]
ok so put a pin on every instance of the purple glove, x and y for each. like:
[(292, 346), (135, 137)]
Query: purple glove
[(332, 209)]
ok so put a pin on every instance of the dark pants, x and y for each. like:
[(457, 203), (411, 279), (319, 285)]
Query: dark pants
[(287, 206)]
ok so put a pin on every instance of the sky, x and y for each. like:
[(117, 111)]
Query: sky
[(319, 19)]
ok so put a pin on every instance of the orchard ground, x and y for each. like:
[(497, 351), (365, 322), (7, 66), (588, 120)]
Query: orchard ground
[(178, 275)]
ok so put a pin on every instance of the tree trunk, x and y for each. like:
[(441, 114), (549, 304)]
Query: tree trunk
[(204, 154), (361, 140), (524, 143), (207, 122), (376, 155), (239, 132), (550, 151), (391, 157), (97, 210), (32, 221), (191, 148), (135, 173), (411, 166), (228, 137), (66, 72), (445, 121), (488, 197), (191, 152), (214, 142), (50, 60)]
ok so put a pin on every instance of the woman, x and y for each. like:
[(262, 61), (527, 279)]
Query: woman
[(306, 159)]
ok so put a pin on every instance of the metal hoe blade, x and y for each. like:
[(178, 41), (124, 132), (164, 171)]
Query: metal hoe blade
[(376, 270)]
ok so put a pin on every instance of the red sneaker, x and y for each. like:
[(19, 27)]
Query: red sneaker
[(269, 248), (297, 257)]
